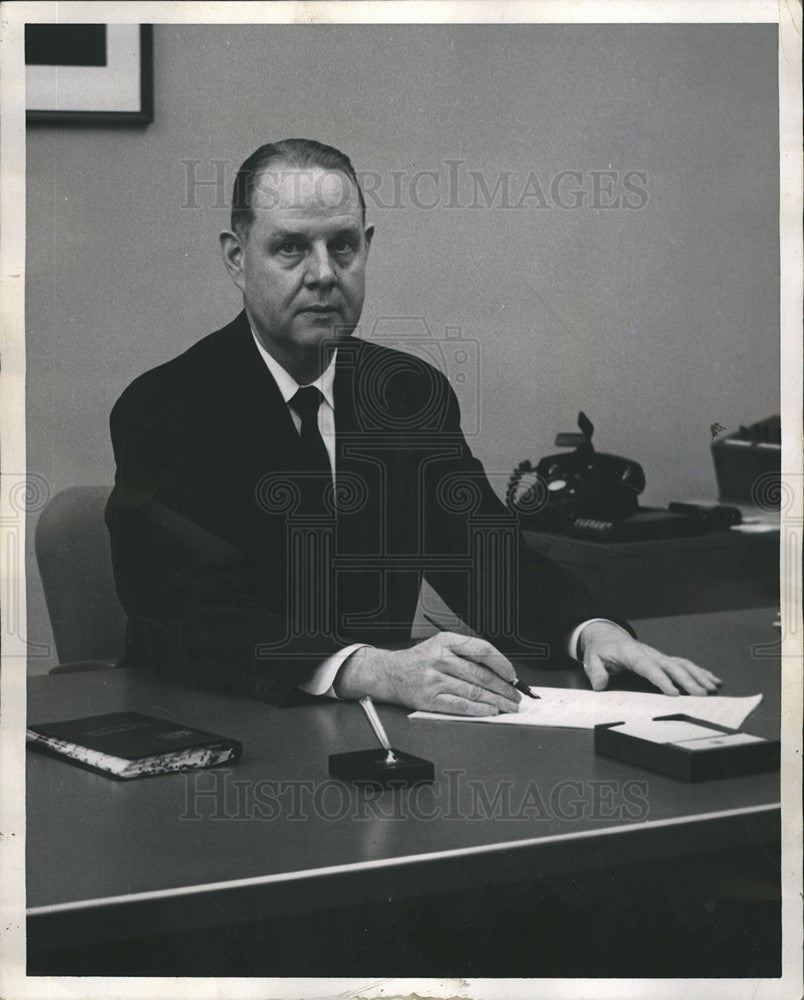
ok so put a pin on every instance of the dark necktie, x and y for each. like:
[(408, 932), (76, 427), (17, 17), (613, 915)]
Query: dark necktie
[(315, 468)]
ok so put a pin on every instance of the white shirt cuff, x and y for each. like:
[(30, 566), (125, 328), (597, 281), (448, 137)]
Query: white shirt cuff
[(322, 678), (576, 634)]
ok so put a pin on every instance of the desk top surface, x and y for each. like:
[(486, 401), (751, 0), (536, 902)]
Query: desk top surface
[(746, 538), (276, 812)]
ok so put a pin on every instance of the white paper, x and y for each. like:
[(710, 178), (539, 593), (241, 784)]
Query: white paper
[(567, 708), (669, 731), (724, 740), (685, 734)]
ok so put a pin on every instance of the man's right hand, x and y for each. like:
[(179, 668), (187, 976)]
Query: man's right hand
[(448, 673)]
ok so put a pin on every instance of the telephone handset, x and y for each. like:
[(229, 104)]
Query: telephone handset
[(582, 485)]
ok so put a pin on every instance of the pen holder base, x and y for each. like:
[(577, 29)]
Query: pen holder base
[(368, 767)]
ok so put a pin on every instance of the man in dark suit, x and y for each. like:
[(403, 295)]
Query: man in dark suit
[(283, 488)]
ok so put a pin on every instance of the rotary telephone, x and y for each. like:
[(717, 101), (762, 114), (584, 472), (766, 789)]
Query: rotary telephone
[(582, 492)]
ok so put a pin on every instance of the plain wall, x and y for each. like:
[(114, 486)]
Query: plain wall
[(658, 320)]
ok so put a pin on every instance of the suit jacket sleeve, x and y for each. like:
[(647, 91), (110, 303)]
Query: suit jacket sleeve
[(522, 602), (193, 596)]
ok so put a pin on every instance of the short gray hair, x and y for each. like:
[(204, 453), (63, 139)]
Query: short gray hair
[(293, 153)]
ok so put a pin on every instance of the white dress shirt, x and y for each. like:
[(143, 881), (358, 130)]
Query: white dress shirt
[(322, 678)]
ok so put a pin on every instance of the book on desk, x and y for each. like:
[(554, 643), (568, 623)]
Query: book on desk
[(124, 745)]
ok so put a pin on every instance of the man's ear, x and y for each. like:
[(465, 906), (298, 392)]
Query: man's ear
[(232, 251), (369, 233)]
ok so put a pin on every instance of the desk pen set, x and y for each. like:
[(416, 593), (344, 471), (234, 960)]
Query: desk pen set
[(384, 766)]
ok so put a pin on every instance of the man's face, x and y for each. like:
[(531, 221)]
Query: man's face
[(301, 267)]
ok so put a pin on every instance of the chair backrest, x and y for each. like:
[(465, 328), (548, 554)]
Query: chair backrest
[(75, 563)]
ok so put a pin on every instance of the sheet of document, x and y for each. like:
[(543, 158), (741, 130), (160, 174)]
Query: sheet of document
[(685, 734), (572, 709)]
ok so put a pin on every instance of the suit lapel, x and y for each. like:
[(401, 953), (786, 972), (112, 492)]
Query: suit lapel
[(345, 388), (259, 418)]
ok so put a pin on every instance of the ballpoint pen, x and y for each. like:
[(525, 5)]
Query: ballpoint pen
[(371, 713), (518, 684)]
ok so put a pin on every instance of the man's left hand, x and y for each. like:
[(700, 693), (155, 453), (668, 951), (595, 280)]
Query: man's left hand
[(608, 649)]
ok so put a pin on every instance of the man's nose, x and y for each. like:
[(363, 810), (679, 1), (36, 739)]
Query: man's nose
[(319, 267)]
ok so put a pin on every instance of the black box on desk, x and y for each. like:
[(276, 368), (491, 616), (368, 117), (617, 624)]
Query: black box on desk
[(687, 748), (748, 464), (371, 767)]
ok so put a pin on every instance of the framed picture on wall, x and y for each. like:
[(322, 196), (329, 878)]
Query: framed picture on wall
[(84, 74)]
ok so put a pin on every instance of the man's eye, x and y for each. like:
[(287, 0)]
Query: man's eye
[(289, 249), (344, 247)]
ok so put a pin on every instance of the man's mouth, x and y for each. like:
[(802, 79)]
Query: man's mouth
[(320, 310)]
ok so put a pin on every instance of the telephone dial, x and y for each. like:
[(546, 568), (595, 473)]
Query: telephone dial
[(565, 490)]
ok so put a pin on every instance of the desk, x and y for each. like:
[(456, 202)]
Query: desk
[(106, 859), (671, 576)]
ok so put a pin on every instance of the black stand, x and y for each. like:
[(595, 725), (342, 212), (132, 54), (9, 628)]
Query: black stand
[(368, 767)]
